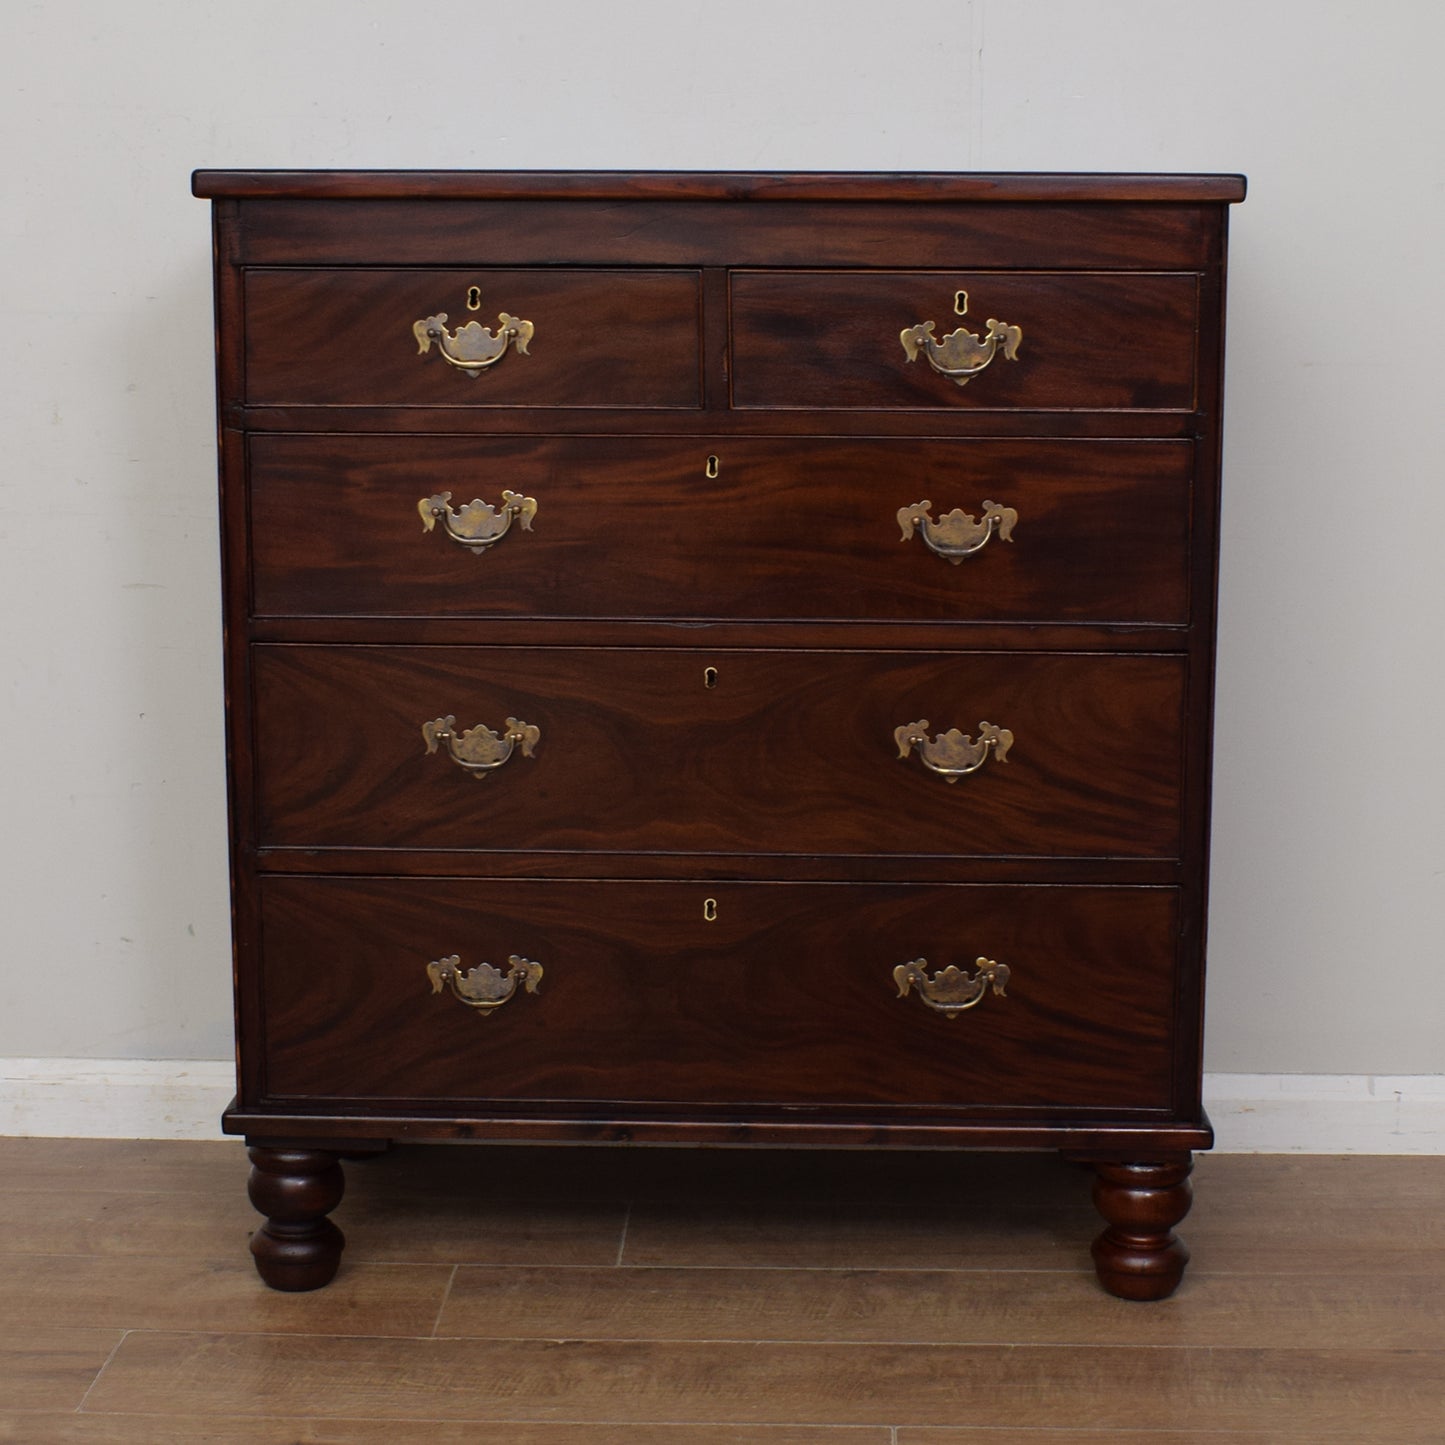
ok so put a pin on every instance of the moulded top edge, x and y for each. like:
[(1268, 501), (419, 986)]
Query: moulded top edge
[(715, 186)]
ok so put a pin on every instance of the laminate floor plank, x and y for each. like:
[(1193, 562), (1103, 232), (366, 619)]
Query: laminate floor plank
[(143, 1166), (938, 1307), (458, 1230), (1311, 1214), (99, 1221), (1279, 1435), (221, 1295), (48, 1367), (90, 1428), (743, 1384), (764, 1299), (1008, 1235), (380, 1230)]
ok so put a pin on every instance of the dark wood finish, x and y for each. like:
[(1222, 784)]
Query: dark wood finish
[(831, 339), (757, 422), (755, 318), (603, 338), (1139, 1256), (783, 999), (1051, 188), (298, 1248), (787, 529), (790, 752), (559, 231)]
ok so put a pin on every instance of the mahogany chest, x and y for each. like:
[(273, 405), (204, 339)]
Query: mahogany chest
[(720, 658)]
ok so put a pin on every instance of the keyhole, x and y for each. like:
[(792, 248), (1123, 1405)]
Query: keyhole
[(711, 469), (960, 303), (709, 677), (474, 298), (709, 910)]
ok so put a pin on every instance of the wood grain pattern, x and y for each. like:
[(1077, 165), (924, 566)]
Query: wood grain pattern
[(791, 752), (603, 338), (1292, 1346), (784, 999), (147, 1429), (685, 321), (830, 339), (535, 230), (899, 1307), (146, 1292), (1106, 1386), (45, 1367), (633, 528), (891, 186)]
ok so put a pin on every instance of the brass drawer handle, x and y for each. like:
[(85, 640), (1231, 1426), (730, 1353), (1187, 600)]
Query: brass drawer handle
[(956, 534), (484, 988), (478, 525), (479, 750), (472, 348), (950, 991), (953, 755), (962, 354)]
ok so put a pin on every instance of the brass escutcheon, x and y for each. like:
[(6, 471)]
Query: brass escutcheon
[(479, 750), (951, 991), (484, 988), (956, 534), (479, 525), (952, 754), (711, 468), (709, 910)]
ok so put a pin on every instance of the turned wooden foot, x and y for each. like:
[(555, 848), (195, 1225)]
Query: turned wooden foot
[(1139, 1256), (298, 1247)]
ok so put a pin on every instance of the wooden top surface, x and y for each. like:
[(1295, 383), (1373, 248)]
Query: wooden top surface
[(716, 185)]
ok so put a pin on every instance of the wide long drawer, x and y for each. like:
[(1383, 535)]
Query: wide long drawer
[(810, 752), (720, 527), (1063, 339), (717, 995), (583, 338)]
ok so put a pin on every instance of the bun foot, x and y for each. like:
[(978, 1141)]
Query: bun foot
[(298, 1247), (1139, 1257)]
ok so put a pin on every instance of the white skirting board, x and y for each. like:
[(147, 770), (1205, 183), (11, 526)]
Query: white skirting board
[(1252, 1113)]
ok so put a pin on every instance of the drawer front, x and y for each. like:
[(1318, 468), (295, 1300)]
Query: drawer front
[(776, 994), (786, 528), (718, 751), (598, 338), (1087, 340)]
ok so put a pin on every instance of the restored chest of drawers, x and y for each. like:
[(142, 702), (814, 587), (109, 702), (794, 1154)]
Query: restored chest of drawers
[(720, 659)]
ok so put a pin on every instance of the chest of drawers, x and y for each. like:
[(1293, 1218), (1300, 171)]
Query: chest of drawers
[(720, 659)]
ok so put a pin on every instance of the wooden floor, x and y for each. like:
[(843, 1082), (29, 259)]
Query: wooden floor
[(641, 1297)]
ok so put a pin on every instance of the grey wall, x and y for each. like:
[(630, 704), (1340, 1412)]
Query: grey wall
[(1329, 893)]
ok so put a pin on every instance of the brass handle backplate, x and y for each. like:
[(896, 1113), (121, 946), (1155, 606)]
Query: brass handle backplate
[(953, 755), (479, 750), (478, 525), (956, 534), (484, 988), (951, 991), (472, 348), (962, 354)]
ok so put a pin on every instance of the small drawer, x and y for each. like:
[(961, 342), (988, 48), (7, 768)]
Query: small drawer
[(737, 994), (590, 339), (719, 752), (1079, 340), (720, 527)]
